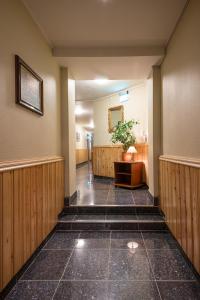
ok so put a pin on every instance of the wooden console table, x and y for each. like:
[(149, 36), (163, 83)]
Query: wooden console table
[(128, 174)]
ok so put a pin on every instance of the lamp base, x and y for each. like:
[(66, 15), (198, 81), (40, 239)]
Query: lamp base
[(127, 156)]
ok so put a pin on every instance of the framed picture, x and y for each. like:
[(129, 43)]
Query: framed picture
[(29, 87)]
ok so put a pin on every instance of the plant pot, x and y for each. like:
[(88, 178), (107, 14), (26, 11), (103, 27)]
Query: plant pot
[(127, 156)]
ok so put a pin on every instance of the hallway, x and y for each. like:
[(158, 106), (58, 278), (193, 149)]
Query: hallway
[(102, 264), (115, 83)]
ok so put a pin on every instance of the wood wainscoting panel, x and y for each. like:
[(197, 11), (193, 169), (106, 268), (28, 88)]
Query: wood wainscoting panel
[(180, 202), (81, 156), (1, 230), (31, 197), (104, 156)]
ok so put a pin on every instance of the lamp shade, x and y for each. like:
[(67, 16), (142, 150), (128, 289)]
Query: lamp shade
[(131, 149)]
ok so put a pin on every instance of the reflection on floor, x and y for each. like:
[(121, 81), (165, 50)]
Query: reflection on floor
[(98, 191), (100, 265)]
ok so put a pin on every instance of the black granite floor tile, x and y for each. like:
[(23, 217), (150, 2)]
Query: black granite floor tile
[(119, 200), (121, 241), (78, 290), (169, 264), (143, 201), (95, 235), (129, 265), (97, 217), (120, 217), (87, 264), (159, 240), (97, 197), (48, 265), (62, 240), (152, 225), (68, 217), (94, 240), (121, 225), (88, 225), (121, 210), (177, 290), (149, 217), (132, 290), (25, 290)]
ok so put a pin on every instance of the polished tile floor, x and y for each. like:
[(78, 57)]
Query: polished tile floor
[(108, 264), (98, 191), (102, 265)]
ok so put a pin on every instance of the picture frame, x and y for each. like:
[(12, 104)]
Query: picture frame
[(115, 114), (29, 87)]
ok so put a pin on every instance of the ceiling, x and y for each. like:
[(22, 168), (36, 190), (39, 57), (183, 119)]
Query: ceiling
[(117, 39), (113, 68), (85, 116), (93, 23), (92, 89)]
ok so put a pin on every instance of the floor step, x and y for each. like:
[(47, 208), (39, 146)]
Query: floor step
[(111, 209), (111, 222)]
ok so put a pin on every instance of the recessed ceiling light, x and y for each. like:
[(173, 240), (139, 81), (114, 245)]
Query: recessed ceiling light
[(80, 111), (101, 80)]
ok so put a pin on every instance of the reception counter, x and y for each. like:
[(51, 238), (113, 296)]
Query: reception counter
[(104, 156)]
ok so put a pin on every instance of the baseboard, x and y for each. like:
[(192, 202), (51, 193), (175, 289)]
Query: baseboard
[(154, 199), (82, 164), (69, 199), (103, 177)]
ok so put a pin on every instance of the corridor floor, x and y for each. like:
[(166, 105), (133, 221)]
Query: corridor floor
[(109, 264), (98, 191), (99, 265)]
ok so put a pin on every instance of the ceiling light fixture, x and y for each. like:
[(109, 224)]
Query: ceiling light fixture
[(101, 80), (79, 110)]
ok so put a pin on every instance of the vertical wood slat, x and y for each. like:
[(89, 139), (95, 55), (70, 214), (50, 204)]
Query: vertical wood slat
[(7, 227), (180, 202), (1, 231), (30, 200), (18, 220)]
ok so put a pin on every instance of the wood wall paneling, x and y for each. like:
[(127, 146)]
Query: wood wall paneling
[(104, 156), (31, 197), (180, 202), (81, 156), (1, 230)]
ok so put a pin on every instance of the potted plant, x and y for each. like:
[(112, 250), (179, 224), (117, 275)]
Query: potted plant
[(123, 134)]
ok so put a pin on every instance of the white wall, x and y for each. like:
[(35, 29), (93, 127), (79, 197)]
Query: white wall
[(136, 108), (68, 130), (181, 87), (154, 128), (24, 134)]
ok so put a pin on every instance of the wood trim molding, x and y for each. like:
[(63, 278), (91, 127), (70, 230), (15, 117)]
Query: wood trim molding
[(187, 161), (25, 163), (118, 146)]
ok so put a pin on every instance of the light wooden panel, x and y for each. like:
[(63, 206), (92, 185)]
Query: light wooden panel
[(104, 156), (180, 202), (31, 197), (81, 156)]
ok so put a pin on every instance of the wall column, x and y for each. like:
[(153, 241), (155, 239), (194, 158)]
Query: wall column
[(68, 130), (154, 129)]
